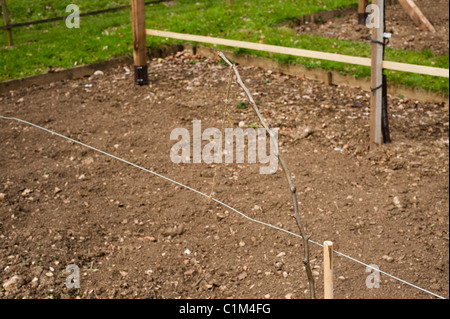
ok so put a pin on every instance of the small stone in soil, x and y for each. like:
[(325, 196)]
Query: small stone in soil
[(12, 283)]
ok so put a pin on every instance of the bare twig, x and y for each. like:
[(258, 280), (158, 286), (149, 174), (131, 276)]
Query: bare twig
[(225, 113), (292, 188), (195, 284)]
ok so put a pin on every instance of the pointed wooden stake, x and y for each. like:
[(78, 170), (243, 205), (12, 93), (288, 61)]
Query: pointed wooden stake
[(328, 276)]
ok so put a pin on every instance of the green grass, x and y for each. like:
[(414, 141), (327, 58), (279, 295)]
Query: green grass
[(242, 105), (109, 35), (30, 10)]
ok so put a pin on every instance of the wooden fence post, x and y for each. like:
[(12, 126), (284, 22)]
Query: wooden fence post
[(377, 75), (362, 15), (6, 18), (328, 275), (139, 42)]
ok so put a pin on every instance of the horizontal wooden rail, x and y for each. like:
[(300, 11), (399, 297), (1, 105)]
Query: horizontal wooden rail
[(396, 66)]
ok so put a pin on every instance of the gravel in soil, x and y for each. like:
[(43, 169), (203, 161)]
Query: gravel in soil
[(134, 235)]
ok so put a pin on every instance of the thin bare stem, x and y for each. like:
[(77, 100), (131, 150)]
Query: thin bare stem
[(225, 113), (292, 188)]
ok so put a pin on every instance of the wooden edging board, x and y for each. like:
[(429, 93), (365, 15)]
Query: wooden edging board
[(63, 75), (330, 77)]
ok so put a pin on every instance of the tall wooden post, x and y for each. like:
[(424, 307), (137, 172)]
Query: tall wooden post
[(362, 14), (377, 75), (6, 18), (139, 42)]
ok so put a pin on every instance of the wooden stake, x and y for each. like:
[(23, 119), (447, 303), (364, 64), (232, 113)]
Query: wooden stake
[(329, 78), (328, 276), (139, 42), (6, 18), (416, 15), (362, 15), (376, 101)]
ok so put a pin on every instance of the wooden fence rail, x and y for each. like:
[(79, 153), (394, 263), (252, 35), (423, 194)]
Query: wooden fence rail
[(395, 66)]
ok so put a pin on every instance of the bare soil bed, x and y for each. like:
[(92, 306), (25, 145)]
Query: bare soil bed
[(343, 25), (135, 235)]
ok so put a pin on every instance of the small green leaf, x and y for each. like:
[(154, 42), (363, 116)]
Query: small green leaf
[(242, 105)]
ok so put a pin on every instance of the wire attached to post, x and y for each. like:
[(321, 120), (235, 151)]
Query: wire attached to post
[(376, 41), (383, 85), (373, 90)]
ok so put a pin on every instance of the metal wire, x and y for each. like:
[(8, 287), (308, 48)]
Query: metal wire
[(219, 202)]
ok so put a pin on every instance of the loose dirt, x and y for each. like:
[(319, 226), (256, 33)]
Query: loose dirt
[(343, 25), (135, 235)]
